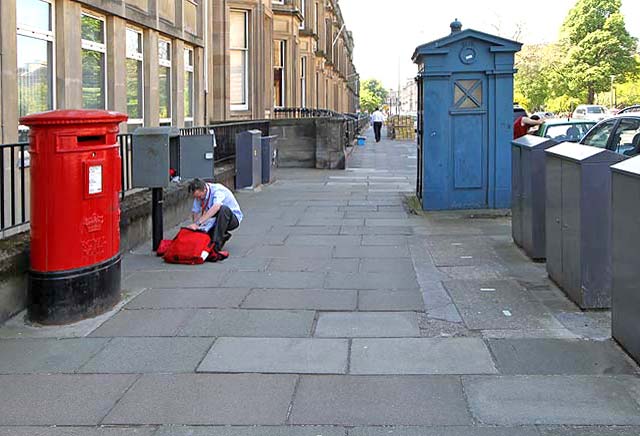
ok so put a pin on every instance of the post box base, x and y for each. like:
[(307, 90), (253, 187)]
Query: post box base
[(69, 296)]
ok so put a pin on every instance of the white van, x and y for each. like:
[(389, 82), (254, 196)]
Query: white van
[(593, 112)]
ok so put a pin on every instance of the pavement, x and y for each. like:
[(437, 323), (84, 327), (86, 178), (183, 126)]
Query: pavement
[(339, 313)]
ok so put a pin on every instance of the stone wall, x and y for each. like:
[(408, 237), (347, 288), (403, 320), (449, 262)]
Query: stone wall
[(310, 142)]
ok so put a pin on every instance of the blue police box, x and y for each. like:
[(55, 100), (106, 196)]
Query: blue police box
[(465, 120)]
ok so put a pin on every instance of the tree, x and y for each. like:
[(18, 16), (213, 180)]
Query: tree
[(372, 94), (597, 46)]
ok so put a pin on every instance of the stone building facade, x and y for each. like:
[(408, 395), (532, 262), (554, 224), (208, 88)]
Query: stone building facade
[(173, 62)]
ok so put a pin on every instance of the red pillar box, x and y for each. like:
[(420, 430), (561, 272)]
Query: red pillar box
[(75, 214)]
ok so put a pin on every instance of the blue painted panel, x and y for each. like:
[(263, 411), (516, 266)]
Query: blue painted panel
[(468, 151)]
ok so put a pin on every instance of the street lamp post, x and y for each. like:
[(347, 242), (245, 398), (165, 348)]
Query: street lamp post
[(611, 97)]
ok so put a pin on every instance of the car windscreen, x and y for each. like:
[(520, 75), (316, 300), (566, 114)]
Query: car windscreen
[(567, 132), (595, 110)]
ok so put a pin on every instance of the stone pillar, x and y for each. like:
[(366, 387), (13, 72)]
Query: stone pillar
[(8, 70), (217, 62), (151, 97), (68, 55), (116, 64), (177, 81)]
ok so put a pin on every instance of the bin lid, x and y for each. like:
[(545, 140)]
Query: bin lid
[(534, 142), (630, 167), (583, 153), (164, 130), (73, 117)]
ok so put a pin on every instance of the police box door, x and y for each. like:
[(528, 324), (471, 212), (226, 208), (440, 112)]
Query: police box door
[(469, 142), (419, 135)]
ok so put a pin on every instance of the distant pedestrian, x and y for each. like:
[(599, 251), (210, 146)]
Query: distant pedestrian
[(377, 118), (215, 211), (522, 124)]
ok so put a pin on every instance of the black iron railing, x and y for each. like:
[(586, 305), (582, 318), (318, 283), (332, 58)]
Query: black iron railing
[(125, 140), (303, 112), (226, 136), (14, 188)]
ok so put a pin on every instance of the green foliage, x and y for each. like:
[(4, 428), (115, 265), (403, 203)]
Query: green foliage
[(597, 46), (372, 94)]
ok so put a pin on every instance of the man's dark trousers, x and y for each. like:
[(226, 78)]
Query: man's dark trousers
[(377, 127), (225, 220)]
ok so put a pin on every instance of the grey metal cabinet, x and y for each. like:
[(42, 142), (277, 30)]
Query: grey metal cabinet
[(578, 217), (248, 159), (625, 226), (528, 193)]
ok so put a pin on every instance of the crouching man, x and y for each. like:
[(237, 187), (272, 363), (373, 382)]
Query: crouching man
[(215, 211)]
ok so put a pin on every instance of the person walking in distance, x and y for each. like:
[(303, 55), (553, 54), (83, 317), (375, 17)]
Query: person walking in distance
[(377, 118)]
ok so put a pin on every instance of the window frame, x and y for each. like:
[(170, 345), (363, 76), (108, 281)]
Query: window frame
[(303, 4), (303, 81), (43, 35), (245, 105), (98, 47), (189, 69), (283, 73), (139, 57), (167, 64)]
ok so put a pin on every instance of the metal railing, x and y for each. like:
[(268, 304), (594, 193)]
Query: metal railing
[(14, 185), (303, 112), (226, 136)]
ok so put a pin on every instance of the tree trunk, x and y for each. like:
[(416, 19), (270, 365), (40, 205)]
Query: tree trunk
[(591, 96)]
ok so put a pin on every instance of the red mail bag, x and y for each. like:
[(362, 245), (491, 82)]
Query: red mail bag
[(189, 247)]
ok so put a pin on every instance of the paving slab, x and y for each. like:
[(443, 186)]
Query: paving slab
[(394, 265), (147, 355), (444, 431), (291, 252), (144, 322), (499, 304), (306, 230), (301, 299), (367, 324), (314, 265), (589, 431), (206, 399), (559, 356), (59, 399), (199, 276), (276, 279), (249, 323), (251, 431), (398, 240), (24, 356), (323, 240), (189, 298), (376, 230), (277, 355), (320, 221), (374, 281), (390, 301), (528, 400), (363, 400), (421, 356), (76, 431), (385, 252)]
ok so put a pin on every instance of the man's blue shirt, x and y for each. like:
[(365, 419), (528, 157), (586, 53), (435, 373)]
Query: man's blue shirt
[(216, 194)]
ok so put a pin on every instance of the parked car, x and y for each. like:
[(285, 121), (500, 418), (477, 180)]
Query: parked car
[(544, 115), (594, 112), (632, 108), (564, 129), (620, 134)]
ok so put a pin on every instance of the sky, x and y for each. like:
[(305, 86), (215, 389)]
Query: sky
[(386, 32)]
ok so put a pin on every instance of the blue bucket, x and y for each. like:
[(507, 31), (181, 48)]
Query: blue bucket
[(361, 140)]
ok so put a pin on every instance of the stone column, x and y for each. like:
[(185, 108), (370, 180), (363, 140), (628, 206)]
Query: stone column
[(116, 64), (68, 55), (8, 70), (151, 97), (177, 81)]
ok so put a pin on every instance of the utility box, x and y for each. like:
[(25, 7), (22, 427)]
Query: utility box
[(465, 117), (625, 222), (155, 150), (195, 156), (528, 193), (248, 159), (75, 270), (578, 222), (269, 158)]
